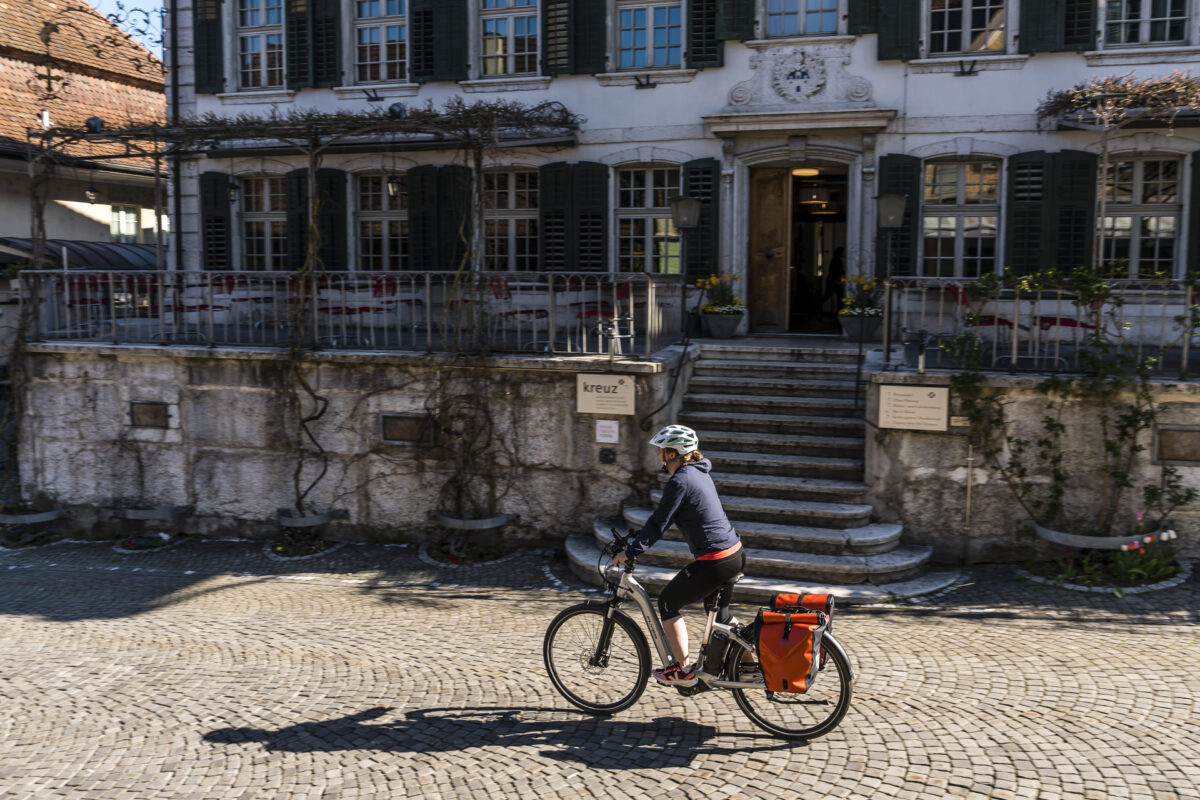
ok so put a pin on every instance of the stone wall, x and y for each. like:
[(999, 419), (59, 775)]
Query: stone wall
[(228, 448), (924, 479)]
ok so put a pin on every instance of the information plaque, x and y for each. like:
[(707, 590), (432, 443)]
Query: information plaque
[(914, 408), (605, 394)]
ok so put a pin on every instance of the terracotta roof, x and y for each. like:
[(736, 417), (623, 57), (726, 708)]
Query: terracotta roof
[(81, 40), (82, 97)]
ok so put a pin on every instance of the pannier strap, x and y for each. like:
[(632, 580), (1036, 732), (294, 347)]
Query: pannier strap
[(811, 602)]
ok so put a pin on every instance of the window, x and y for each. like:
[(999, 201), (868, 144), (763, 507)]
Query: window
[(264, 224), (508, 37), (381, 41), (959, 213), (510, 220), (382, 222), (649, 35), (646, 237), (801, 17), (966, 26), (260, 43), (1145, 21), (1141, 217), (126, 224)]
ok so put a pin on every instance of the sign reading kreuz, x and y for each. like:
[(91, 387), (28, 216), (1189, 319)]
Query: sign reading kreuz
[(605, 394)]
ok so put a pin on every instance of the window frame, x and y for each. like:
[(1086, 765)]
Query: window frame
[(515, 260), (615, 49), (764, 14), (647, 212), (1006, 34), (261, 31), (120, 213), (960, 211), (481, 15), (274, 253), (382, 22), (1189, 29), (1142, 210), (393, 211)]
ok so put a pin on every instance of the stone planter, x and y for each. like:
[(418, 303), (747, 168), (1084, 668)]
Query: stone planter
[(1094, 542), (486, 524), (720, 326), (863, 329), (288, 518), (31, 517), (162, 513)]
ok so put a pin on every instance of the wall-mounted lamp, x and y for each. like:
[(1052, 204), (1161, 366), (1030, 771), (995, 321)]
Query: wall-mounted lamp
[(814, 194), (233, 191), (90, 193), (685, 212), (891, 210), (806, 172), (393, 186)]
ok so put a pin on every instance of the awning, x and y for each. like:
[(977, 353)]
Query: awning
[(81, 254)]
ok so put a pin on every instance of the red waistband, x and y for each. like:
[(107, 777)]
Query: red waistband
[(728, 551)]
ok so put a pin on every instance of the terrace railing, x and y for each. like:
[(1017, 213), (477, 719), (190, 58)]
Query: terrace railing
[(576, 313), (1043, 329)]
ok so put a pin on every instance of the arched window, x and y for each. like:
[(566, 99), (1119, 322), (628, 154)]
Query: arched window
[(647, 240), (382, 222), (960, 212), (1141, 216), (263, 218), (510, 219)]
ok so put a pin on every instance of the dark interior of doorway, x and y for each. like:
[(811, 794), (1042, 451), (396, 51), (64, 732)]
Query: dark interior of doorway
[(818, 231)]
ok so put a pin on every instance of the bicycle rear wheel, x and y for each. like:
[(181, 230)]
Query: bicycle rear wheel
[(790, 715), (599, 677)]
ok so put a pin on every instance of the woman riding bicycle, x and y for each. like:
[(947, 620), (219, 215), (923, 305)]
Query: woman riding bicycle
[(689, 500)]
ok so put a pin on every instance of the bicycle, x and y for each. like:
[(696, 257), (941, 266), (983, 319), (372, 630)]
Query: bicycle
[(599, 660)]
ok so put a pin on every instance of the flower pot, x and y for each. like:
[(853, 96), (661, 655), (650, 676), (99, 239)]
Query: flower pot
[(720, 326), (862, 329), (1094, 542)]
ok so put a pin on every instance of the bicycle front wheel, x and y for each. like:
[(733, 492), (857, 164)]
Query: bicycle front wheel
[(791, 715), (600, 665)]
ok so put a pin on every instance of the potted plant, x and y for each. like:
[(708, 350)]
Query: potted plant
[(860, 314), (722, 310)]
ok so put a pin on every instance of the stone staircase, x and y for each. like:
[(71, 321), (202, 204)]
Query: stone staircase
[(786, 441)]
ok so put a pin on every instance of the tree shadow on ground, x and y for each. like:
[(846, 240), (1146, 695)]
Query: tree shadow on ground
[(598, 742)]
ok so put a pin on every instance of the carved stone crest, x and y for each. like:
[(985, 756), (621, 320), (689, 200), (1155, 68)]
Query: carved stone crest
[(798, 76)]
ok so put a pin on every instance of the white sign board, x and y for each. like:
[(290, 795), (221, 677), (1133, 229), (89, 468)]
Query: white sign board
[(604, 394), (608, 431), (914, 408)]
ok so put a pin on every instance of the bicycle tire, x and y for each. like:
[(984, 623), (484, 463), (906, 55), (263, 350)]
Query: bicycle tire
[(795, 716), (570, 645)]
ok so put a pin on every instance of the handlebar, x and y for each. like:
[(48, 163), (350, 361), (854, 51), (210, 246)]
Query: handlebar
[(621, 544)]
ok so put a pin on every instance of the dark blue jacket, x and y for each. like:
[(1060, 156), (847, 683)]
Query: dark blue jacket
[(690, 501)]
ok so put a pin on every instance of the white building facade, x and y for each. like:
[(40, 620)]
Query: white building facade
[(785, 118)]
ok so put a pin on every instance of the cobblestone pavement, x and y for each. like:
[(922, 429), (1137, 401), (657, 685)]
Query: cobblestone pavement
[(209, 671)]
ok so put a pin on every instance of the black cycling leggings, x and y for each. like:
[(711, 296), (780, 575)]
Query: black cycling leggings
[(697, 581)]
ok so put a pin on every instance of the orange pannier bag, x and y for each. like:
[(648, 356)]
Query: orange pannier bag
[(789, 646)]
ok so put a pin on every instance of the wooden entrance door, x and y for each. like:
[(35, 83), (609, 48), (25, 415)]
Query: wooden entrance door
[(769, 240)]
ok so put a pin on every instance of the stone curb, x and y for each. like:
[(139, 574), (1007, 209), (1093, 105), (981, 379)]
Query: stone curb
[(1185, 572), (266, 549)]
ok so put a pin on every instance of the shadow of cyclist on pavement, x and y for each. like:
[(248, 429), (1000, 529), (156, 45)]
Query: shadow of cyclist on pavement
[(599, 742)]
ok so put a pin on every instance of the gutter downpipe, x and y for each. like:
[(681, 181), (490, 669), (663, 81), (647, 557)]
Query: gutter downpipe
[(176, 201)]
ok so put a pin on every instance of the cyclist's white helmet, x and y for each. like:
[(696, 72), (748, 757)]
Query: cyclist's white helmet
[(679, 438)]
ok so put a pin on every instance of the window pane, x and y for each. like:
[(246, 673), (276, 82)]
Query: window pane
[(941, 183)]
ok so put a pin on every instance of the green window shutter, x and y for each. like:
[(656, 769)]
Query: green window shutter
[(1079, 25), (453, 215), (326, 43), (422, 217), (1028, 219), (899, 29), (1041, 28), (1193, 216), (1074, 208), (209, 46), (590, 214), (899, 174), (557, 53), (297, 26), (438, 39), (735, 19), (702, 180), (331, 217), (862, 16), (295, 185), (589, 28), (704, 49), (216, 220), (554, 212)]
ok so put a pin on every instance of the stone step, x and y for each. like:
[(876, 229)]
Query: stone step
[(880, 537), (583, 554), (791, 512), (774, 369), (848, 469), (774, 423), (898, 564), (842, 447), (749, 352), (785, 387), (741, 404), (786, 487)]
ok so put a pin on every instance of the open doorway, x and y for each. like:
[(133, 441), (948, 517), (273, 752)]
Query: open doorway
[(797, 248)]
